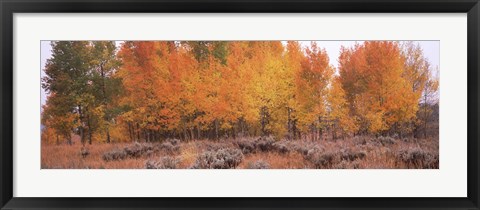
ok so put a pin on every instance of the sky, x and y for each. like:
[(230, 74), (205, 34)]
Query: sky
[(431, 50)]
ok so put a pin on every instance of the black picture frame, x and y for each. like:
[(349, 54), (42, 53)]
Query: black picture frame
[(10, 7)]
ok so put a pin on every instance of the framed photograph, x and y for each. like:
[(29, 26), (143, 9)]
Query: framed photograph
[(239, 105)]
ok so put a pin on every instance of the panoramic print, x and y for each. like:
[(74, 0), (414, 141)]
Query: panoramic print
[(240, 104)]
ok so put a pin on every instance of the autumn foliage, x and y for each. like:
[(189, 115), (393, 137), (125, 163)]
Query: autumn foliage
[(154, 90)]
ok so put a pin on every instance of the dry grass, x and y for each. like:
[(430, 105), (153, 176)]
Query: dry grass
[(357, 152), (293, 160), (69, 157)]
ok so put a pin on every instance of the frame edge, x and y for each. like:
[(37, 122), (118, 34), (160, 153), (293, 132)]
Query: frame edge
[(6, 107)]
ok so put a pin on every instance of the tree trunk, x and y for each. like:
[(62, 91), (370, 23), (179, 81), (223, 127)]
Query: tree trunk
[(216, 129), (138, 132), (334, 134), (242, 127), (81, 128), (312, 133), (129, 131), (425, 111), (192, 134), (295, 133), (104, 93), (199, 133), (289, 124), (108, 135), (263, 120), (69, 139), (89, 130)]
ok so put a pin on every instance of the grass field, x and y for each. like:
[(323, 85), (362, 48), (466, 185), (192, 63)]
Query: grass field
[(248, 153)]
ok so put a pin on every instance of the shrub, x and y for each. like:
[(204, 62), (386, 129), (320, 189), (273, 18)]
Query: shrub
[(113, 155), (350, 155), (246, 146), (359, 140), (305, 149), (221, 159), (148, 153), (259, 164), (138, 149), (173, 141), (418, 158), (135, 150), (84, 152), (214, 146), (163, 163), (386, 140), (347, 165), (321, 158), (281, 148), (265, 144), (169, 147), (309, 153), (324, 160)]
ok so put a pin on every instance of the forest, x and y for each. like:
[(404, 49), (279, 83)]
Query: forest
[(239, 104)]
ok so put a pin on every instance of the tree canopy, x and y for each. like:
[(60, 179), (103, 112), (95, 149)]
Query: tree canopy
[(152, 90)]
